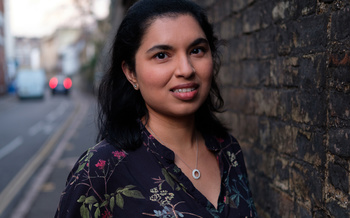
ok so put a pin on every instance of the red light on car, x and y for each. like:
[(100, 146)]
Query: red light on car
[(67, 83), (53, 82)]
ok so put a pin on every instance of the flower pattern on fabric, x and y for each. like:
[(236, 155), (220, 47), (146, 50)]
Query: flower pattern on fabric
[(119, 154), (93, 204), (163, 198), (101, 164), (110, 182)]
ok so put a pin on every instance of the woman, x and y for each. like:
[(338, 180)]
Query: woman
[(162, 151)]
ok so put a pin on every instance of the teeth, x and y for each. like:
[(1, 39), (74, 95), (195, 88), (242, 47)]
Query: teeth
[(184, 90)]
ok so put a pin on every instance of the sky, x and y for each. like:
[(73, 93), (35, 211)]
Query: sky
[(37, 18)]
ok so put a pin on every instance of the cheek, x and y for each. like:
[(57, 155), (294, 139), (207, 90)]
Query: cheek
[(151, 79), (207, 77), (207, 72), (151, 76)]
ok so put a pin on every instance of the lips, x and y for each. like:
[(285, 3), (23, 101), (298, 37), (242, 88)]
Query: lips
[(185, 92), (188, 87)]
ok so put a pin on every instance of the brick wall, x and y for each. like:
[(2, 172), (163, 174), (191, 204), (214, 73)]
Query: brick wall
[(286, 82)]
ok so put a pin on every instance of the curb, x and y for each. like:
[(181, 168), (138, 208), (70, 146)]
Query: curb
[(73, 123)]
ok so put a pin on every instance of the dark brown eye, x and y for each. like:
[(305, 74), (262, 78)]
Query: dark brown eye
[(198, 51), (160, 55)]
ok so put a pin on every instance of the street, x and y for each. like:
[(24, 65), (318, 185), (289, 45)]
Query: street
[(40, 140)]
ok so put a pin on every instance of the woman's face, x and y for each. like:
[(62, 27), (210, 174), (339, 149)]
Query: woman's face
[(173, 66)]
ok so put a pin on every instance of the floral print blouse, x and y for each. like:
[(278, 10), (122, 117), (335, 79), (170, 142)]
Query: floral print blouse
[(110, 182)]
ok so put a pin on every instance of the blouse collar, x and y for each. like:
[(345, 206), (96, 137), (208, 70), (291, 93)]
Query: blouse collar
[(213, 143)]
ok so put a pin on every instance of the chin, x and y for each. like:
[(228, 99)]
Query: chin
[(185, 111)]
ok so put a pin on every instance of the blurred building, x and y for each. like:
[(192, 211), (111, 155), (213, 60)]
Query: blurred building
[(60, 51), (8, 62), (3, 86), (9, 49), (72, 52), (27, 52)]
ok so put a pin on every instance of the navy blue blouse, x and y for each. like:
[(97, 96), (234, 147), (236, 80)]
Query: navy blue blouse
[(110, 182)]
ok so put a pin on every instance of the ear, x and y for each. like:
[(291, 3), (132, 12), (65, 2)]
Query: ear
[(130, 75)]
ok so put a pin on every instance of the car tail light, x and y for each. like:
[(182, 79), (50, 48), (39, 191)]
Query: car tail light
[(53, 82), (67, 83)]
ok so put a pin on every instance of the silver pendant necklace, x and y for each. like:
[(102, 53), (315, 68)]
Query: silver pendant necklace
[(195, 173)]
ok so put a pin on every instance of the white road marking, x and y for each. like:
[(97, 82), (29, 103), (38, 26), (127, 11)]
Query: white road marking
[(11, 146), (67, 131), (59, 111), (48, 128), (36, 128), (51, 116)]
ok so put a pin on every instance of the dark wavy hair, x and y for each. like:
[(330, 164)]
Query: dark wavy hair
[(120, 106)]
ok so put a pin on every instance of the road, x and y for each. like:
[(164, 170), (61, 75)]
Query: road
[(36, 137)]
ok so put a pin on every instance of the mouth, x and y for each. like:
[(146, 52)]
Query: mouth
[(184, 90)]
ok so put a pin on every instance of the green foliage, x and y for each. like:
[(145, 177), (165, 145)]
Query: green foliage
[(83, 161), (90, 204), (119, 201), (168, 178)]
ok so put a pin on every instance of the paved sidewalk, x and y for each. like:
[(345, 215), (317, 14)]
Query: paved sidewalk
[(43, 202)]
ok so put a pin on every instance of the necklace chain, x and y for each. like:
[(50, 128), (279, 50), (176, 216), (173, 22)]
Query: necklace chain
[(195, 173)]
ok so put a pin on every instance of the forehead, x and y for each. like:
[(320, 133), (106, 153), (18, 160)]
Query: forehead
[(172, 26)]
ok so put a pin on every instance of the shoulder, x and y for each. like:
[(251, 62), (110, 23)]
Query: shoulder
[(232, 153), (223, 142), (89, 178), (98, 156), (105, 150), (230, 145)]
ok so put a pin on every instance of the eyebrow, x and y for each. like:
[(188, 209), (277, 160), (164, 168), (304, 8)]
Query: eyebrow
[(168, 47), (199, 41), (159, 47)]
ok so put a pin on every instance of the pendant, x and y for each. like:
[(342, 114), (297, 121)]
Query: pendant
[(196, 174)]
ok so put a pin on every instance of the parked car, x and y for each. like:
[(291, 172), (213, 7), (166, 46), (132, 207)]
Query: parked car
[(60, 84), (30, 83)]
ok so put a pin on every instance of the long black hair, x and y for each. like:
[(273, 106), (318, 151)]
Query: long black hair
[(120, 106)]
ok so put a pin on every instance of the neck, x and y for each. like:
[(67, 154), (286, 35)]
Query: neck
[(178, 134)]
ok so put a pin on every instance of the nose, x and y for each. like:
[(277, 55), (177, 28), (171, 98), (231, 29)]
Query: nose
[(184, 67)]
